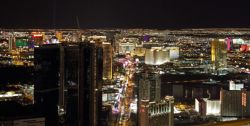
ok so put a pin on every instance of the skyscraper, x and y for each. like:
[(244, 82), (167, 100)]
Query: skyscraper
[(152, 108), (219, 53), (71, 83), (234, 103), (150, 87), (47, 62), (90, 84), (107, 60), (77, 81), (156, 56)]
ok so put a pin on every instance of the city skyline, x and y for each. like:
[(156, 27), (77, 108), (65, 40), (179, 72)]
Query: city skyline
[(124, 62), (129, 77)]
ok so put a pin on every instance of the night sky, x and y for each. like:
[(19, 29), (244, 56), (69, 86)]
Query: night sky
[(124, 13)]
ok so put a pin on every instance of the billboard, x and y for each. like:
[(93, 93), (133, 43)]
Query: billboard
[(20, 42)]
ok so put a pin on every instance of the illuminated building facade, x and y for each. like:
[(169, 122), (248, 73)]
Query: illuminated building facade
[(153, 110), (229, 43), (139, 51), (235, 86), (150, 87), (157, 113), (107, 61), (38, 38), (126, 47), (143, 113), (207, 106), (156, 56), (244, 48), (219, 53), (234, 103), (174, 52)]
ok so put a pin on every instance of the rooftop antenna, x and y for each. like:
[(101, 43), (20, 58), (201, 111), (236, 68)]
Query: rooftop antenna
[(78, 27), (54, 14), (77, 22)]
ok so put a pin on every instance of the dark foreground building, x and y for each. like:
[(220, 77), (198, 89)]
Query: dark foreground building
[(13, 113), (68, 83), (46, 94)]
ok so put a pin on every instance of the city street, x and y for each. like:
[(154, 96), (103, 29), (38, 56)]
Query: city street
[(127, 97)]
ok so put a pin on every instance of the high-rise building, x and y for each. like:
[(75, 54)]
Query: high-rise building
[(71, 83), (107, 61), (90, 95), (149, 91), (156, 56), (152, 109), (150, 87), (75, 89), (47, 62), (174, 52), (234, 103), (207, 106), (83, 81), (219, 53), (229, 43)]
